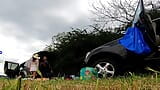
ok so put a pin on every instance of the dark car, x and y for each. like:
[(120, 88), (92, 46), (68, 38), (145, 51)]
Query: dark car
[(113, 59), (13, 69)]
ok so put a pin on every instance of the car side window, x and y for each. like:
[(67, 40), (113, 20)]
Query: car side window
[(12, 66)]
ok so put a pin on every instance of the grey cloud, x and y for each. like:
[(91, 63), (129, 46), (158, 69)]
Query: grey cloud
[(30, 16)]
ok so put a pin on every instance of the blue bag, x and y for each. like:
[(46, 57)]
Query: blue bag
[(133, 40)]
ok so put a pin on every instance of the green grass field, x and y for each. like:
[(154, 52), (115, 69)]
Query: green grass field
[(134, 82)]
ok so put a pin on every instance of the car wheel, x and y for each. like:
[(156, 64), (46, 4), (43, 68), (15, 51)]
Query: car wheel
[(106, 67)]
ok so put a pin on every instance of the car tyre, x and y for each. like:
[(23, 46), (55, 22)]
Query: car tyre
[(106, 67)]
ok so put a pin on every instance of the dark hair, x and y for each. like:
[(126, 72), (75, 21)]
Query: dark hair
[(34, 59)]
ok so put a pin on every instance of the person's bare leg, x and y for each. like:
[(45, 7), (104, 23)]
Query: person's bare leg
[(34, 75), (31, 74)]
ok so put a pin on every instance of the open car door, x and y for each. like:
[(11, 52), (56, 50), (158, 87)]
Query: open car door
[(11, 69)]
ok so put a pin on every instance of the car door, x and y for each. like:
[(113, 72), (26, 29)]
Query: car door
[(11, 69)]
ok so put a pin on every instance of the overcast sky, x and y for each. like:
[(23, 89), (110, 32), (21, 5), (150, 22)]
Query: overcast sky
[(26, 26)]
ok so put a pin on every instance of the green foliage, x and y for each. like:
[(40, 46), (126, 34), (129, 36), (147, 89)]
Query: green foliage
[(135, 82), (69, 48)]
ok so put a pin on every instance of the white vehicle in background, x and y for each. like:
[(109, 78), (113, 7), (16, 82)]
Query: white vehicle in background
[(2, 74)]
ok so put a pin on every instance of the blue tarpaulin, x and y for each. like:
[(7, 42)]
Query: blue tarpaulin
[(133, 40)]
